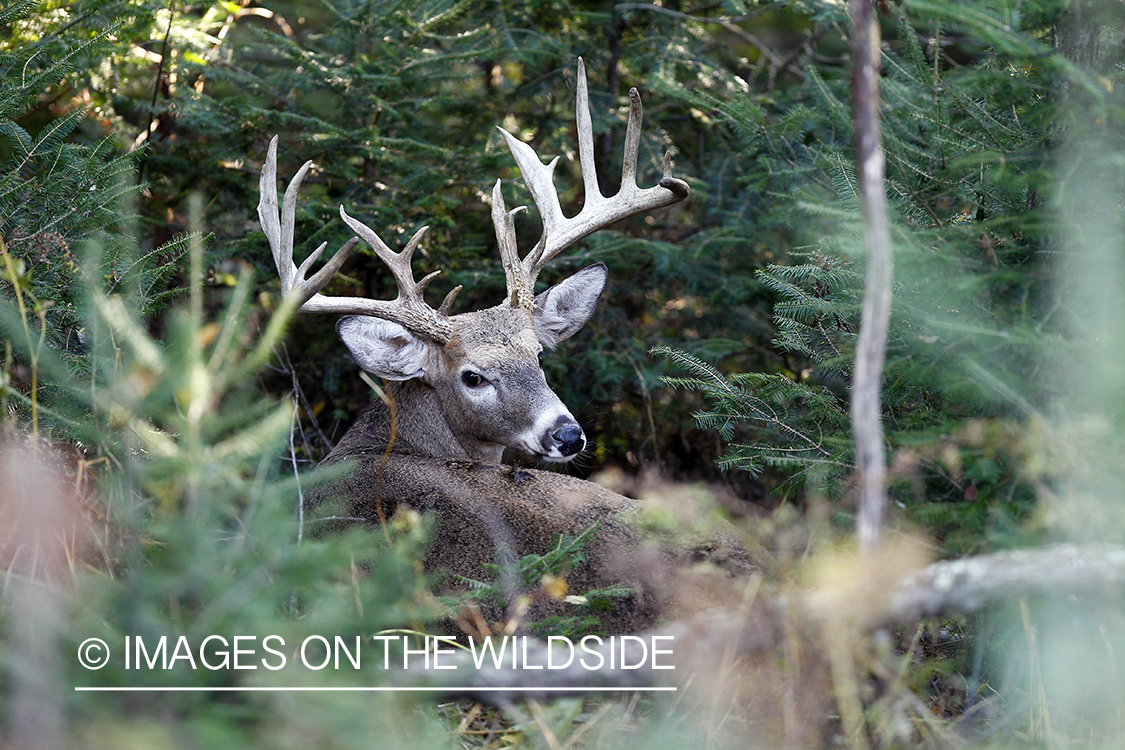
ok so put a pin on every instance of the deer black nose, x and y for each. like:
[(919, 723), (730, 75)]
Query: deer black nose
[(570, 439)]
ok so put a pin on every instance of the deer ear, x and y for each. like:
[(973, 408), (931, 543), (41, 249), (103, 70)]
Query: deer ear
[(383, 348), (564, 308)]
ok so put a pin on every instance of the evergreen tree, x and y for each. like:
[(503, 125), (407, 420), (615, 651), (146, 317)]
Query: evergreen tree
[(59, 191), (968, 133)]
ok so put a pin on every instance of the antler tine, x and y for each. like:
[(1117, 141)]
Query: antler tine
[(278, 224), (597, 211), (520, 294), (421, 317), (409, 309)]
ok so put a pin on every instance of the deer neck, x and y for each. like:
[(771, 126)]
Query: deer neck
[(421, 428)]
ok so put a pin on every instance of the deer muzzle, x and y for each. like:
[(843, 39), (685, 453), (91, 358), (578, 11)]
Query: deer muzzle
[(569, 439), (563, 440)]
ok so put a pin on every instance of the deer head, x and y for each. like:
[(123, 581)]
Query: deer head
[(484, 367)]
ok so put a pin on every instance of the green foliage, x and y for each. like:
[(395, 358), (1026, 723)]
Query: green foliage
[(968, 136), (544, 576), (801, 428), (586, 620), (57, 192), (205, 538)]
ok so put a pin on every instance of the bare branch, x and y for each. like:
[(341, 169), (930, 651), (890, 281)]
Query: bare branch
[(867, 426)]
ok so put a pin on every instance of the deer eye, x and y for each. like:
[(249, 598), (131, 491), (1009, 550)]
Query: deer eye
[(541, 360), (471, 379)]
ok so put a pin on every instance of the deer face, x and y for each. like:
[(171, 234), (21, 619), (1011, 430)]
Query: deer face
[(488, 377)]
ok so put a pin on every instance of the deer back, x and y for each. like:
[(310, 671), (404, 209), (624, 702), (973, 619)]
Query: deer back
[(484, 514)]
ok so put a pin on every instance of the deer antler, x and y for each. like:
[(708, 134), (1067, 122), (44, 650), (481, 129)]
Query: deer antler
[(409, 309), (597, 211)]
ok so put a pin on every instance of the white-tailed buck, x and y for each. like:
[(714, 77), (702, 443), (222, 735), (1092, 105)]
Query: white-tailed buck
[(463, 387)]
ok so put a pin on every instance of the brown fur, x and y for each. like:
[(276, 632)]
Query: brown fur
[(477, 507)]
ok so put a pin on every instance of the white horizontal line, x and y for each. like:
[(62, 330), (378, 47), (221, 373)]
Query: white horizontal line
[(450, 689)]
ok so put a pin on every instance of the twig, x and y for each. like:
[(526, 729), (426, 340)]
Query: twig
[(32, 349), (700, 19), (156, 84), (286, 367), (647, 397), (866, 411), (389, 400), (296, 473)]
